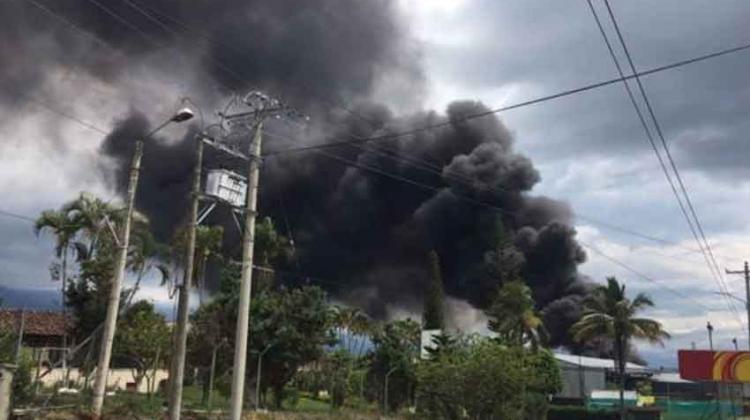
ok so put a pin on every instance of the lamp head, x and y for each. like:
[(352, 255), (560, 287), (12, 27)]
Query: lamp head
[(183, 114)]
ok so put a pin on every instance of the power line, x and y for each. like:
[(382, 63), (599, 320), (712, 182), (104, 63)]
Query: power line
[(378, 171), (660, 133), (362, 140), (374, 138), (144, 10), (468, 182), (17, 216), (645, 277), (695, 223), (564, 93)]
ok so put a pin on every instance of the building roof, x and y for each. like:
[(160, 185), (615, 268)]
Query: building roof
[(669, 377), (40, 323), (595, 363)]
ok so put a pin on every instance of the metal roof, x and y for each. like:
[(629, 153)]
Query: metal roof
[(670, 377), (595, 363)]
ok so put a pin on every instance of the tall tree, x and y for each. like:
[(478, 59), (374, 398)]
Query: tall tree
[(296, 325), (272, 249), (609, 313), (142, 340), (208, 242), (396, 348), (513, 317), (65, 228), (433, 311), (144, 255), (96, 219)]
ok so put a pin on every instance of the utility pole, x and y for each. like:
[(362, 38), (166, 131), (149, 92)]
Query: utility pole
[(734, 342), (261, 107), (123, 241), (105, 352), (19, 342), (177, 374), (246, 280), (710, 329), (746, 272)]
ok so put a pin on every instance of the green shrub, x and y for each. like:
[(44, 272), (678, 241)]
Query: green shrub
[(23, 389), (488, 382), (536, 406)]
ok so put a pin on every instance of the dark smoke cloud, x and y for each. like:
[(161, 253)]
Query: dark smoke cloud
[(166, 170), (366, 235)]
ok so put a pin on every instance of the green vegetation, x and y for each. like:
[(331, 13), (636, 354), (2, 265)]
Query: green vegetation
[(307, 355), (142, 340), (513, 317), (609, 313)]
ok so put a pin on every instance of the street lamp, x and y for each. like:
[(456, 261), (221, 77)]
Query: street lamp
[(257, 380), (123, 241)]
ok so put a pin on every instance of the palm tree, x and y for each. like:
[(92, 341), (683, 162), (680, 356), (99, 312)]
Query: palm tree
[(145, 253), (65, 229), (608, 313), (94, 216), (513, 317), (347, 320)]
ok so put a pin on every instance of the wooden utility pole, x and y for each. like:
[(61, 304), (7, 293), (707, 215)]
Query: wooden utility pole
[(248, 241), (746, 272), (177, 372), (108, 336)]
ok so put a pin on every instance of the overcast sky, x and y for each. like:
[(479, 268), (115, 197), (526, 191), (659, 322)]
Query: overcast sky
[(590, 148)]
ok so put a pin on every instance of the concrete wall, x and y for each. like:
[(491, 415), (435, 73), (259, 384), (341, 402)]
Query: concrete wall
[(6, 380), (117, 379)]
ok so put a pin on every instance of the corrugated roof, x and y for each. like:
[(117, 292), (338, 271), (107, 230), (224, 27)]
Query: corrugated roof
[(41, 323), (595, 363), (669, 377)]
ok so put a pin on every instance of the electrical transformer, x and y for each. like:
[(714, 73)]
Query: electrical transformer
[(226, 186)]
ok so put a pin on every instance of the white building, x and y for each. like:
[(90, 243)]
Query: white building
[(581, 375)]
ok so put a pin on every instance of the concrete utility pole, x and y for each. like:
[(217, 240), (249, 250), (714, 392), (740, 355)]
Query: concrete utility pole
[(746, 272), (246, 280), (177, 373), (123, 241), (105, 351), (19, 342), (261, 107)]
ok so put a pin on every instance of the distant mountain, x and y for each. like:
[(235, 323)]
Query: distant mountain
[(48, 299), (30, 298)]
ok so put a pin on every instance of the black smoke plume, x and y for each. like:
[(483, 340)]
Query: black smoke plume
[(363, 236)]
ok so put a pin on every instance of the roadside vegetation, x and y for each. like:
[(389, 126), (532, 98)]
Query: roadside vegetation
[(306, 355)]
